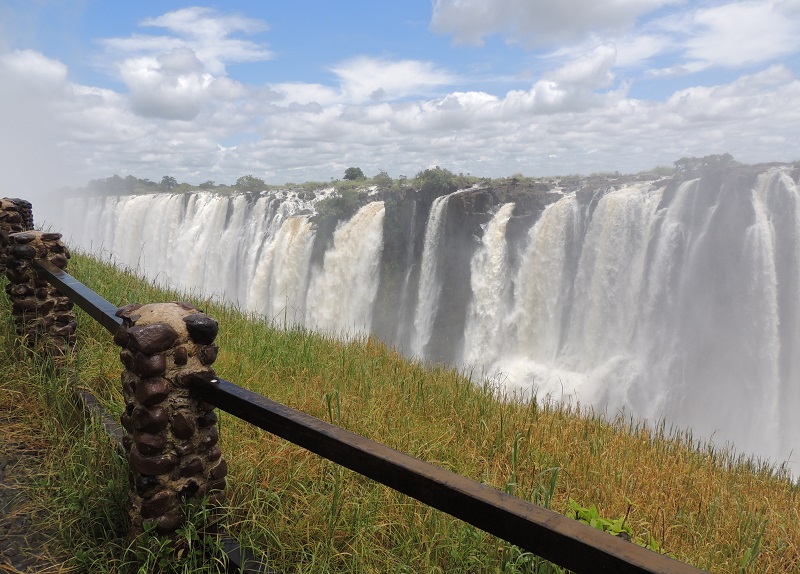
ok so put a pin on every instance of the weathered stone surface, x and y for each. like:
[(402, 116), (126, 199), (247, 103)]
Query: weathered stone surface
[(214, 453), (21, 237), (180, 460), (126, 357), (127, 310), (150, 420), (121, 337), (217, 498), (16, 275), (146, 485), (59, 261), (150, 392), (147, 366), (186, 378), (26, 304), (202, 328), (208, 354), (208, 418), (129, 381), (126, 422), (152, 465), (185, 448), (64, 330), (22, 251), (43, 292), (181, 355), (191, 467), (170, 522), (20, 290), (210, 439), (189, 490), (150, 339), (183, 427), (220, 470), (149, 444), (158, 504), (50, 236)]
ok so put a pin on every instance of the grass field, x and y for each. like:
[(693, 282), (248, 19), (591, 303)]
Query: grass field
[(698, 503)]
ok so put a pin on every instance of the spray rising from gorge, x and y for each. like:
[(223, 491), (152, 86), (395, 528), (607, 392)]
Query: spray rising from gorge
[(674, 298)]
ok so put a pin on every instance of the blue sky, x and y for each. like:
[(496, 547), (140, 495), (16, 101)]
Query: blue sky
[(296, 91)]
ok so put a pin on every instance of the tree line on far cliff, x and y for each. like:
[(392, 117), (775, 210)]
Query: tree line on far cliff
[(354, 177)]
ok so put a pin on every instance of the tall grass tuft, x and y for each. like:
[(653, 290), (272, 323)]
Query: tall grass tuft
[(695, 501)]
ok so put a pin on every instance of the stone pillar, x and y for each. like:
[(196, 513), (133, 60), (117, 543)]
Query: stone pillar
[(171, 437), (15, 215), (42, 315)]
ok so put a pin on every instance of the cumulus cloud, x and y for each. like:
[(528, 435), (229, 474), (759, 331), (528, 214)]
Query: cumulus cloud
[(366, 78), (173, 85), (180, 115), (746, 33), (537, 22), (209, 34), (174, 76)]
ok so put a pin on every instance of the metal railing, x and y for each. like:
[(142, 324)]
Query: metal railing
[(548, 534)]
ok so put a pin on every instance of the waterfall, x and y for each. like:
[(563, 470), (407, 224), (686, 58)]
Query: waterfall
[(402, 325), (676, 300), (280, 280), (665, 302), (490, 282), (342, 291), (429, 286)]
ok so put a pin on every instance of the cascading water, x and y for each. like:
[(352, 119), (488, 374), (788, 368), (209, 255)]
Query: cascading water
[(665, 303), (279, 284), (490, 291), (342, 291), (429, 286), (670, 300)]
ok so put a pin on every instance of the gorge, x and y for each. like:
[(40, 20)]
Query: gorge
[(669, 297)]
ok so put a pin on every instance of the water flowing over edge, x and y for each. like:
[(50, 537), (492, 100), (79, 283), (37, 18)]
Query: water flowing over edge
[(669, 301)]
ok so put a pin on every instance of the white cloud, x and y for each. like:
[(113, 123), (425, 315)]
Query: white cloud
[(537, 22), (366, 78), (172, 86), (178, 117), (740, 34), (174, 77), (206, 32)]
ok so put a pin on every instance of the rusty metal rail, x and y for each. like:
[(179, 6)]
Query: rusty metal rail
[(548, 534)]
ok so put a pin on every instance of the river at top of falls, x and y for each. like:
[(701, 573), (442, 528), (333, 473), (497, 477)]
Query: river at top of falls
[(670, 301)]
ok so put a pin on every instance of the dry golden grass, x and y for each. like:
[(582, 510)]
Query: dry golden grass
[(701, 505)]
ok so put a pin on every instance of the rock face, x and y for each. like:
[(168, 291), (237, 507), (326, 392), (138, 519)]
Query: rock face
[(466, 213), (171, 437)]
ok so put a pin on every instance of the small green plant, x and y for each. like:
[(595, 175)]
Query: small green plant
[(618, 526), (191, 549)]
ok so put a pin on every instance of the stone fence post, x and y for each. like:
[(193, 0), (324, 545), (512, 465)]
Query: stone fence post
[(43, 316), (15, 215), (171, 438)]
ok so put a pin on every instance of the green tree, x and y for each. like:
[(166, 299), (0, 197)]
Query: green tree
[(716, 161), (169, 183), (250, 183), (207, 185), (354, 173), (436, 180), (382, 180)]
